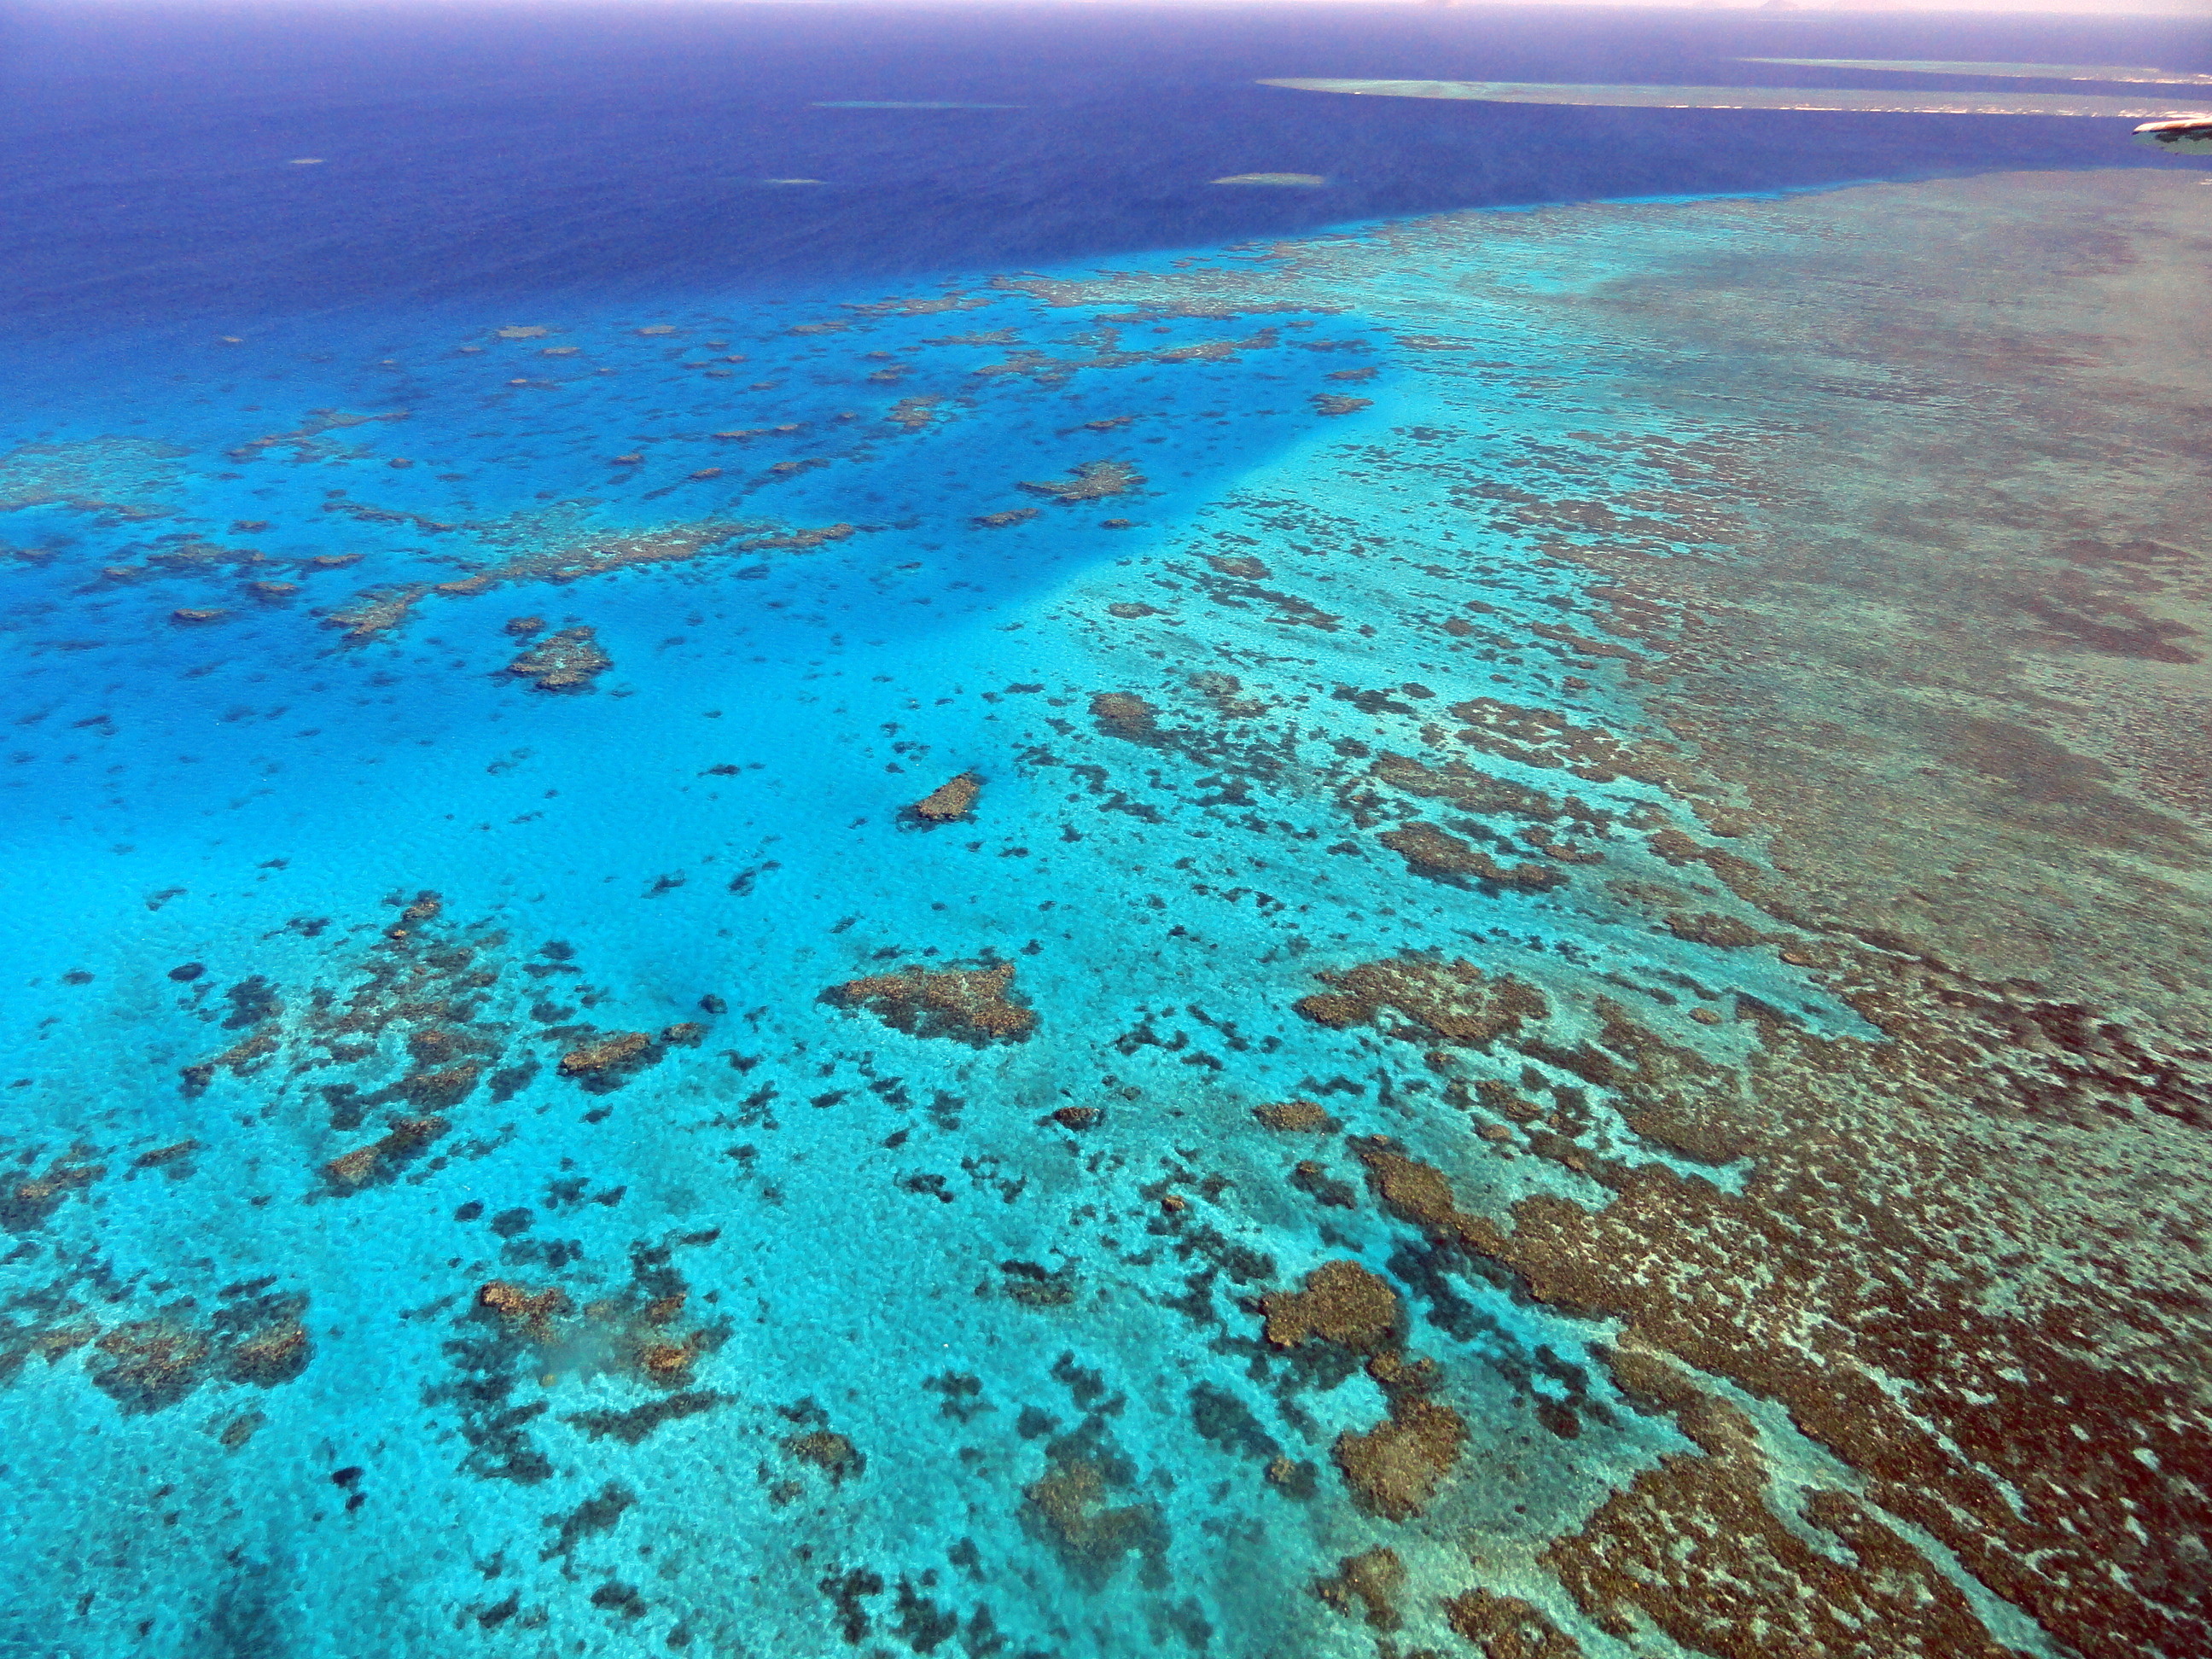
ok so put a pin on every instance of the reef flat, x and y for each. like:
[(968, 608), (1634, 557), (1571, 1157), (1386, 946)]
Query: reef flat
[(2119, 72), (1902, 102), (1558, 1009)]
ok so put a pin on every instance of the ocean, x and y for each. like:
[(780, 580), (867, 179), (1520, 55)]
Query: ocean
[(758, 770)]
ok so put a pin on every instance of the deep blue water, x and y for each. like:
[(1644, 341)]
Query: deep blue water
[(508, 151)]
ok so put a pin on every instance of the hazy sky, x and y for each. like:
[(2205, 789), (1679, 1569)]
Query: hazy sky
[(2163, 9)]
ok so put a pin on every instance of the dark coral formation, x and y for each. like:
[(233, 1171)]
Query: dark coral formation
[(531, 1313), (1296, 1116), (254, 1337), (567, 661), (950, 801), (1428, 851), (149, 1365), (1393, 1469), (1342, 1303), (1369, 1581), (30, 1201), (1425, 1000), (617, 1051), (1125, 714), (828, 1451), (566, 553), (637, 1425), (1070, 1506), (1506, 1627), (1751, 1579), (972, 1006), (1091, 481), (382, 1157)]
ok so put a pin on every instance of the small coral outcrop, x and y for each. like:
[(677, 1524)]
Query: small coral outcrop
[(1124, 714), (950, 801), (1425, 1000), (966, 1004), (618, 1051), (1429, 851), (1342, 1303), (567, 661), (1093, 480)]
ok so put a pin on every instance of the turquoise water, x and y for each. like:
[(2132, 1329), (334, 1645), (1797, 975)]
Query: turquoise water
[(880, 1235)]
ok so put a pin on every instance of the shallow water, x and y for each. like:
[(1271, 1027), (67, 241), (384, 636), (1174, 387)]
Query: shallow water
[(1507, 755)]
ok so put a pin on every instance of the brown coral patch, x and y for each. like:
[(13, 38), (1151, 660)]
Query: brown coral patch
[(632, 1426), (1091, 481), (1427, 1000), (1369, 1581), (950, 801), (1296, 1117), (567, 661), (1695, 1548), (1125, 714), (1437, 856), (617, 1051), (533, 1315), (828, 1451), (1725, 932), (28, 1202), (1394, 1469), (151, 1363), (1506, 1627), (566, 553), (966, 1004), (381, 1158), (1342, 1303), (1069, 1507), (913, 413), (2009, 1435), (271, 1356)]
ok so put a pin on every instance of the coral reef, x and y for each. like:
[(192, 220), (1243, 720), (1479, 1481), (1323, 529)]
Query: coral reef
[(1091, 481), (1428, 852), (1506, 1627), (1298, 1116), (380, 1159), (972, 1006), (950, 801), (915, 414), (830, 1452), (1393, 1469), (1447, 1001), (1125, 714), (567, 661), (1341, 1303), (562, 551), (1369, 1581), (617, 1051), (531, 1314), (1069, 1506)]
